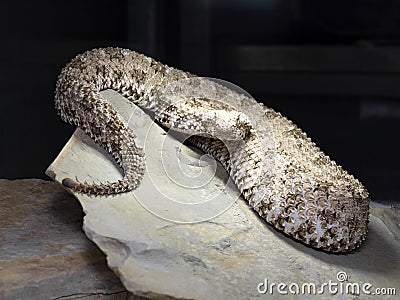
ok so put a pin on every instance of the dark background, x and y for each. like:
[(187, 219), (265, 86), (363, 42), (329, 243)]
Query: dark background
[(333, 67)]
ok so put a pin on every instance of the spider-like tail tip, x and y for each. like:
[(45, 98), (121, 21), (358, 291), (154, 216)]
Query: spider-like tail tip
[(69, 183)]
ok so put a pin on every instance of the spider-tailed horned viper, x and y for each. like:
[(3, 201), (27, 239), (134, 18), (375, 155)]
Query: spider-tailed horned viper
[(305, 194)]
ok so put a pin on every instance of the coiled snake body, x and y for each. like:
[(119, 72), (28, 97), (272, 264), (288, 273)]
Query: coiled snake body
[(293, 185)]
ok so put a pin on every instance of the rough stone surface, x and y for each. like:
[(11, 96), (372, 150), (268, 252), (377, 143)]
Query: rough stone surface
[(156, 243), (43, 251)]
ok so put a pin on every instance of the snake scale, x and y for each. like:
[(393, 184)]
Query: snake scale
[(306, 194)]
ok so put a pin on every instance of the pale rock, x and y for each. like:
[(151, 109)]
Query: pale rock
[(167, 241)]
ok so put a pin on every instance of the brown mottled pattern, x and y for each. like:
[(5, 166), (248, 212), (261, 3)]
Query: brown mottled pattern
[(307, 195)]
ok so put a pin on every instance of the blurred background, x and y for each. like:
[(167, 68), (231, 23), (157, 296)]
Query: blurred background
[(332, 67)]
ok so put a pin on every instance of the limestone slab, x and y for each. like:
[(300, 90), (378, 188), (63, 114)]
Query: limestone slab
[(186, 233)]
